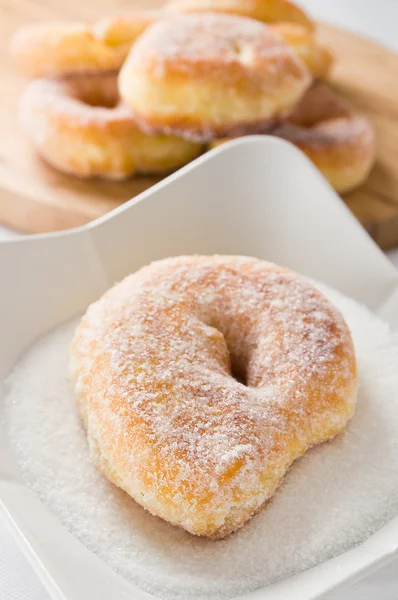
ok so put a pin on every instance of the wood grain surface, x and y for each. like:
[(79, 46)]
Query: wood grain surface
[(35, 198)]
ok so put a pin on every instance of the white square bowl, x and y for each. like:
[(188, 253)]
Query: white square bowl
[(257, 196)]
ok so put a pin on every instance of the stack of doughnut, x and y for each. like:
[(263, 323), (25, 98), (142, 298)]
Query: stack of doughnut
[(147, 91)]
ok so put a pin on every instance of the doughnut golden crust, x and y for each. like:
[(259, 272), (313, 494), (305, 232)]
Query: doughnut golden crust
[(153, 364), (61, 48), (79, 128), (318, 59), (209, 74), (268, 11), (337, 140)]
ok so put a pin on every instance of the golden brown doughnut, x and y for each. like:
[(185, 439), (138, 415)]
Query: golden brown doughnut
[(337, 140), (201, 379), (61, 48), (268, 11), (206, 75), (78, 126)]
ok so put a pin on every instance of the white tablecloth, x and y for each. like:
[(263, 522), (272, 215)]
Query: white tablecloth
[(375, 19)]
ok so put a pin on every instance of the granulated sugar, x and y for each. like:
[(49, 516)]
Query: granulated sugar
[(333, 498)]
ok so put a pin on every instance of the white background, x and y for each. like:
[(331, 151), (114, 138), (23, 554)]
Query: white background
[(377, 19)]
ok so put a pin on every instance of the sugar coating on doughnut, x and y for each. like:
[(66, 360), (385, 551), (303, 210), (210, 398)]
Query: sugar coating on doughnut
[(202, 74), (153, 364), (80, 127)]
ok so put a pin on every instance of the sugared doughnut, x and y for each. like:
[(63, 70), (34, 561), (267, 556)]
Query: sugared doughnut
[(201, 379), (337, 140), (61, 48), (205, 75), (318, 59), (78, 126), (268, 11)]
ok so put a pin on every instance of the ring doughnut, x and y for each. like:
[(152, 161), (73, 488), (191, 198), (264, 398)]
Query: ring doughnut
[(153, 364), (268, 11), (205, 75), (60, 48), (337, 140), (78, 126)]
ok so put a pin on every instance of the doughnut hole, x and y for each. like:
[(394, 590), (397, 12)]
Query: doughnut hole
[(93, 90)]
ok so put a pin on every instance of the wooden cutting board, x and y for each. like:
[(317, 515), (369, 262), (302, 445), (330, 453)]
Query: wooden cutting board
[(35, 198)]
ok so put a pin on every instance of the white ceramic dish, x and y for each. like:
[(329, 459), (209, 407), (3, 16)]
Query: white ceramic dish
[(257, 196)]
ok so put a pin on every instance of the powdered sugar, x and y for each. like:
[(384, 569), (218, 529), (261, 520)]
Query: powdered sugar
[(332, 498)]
